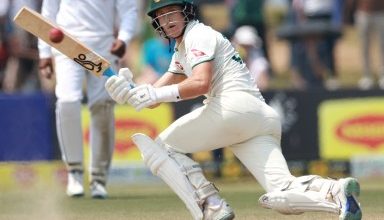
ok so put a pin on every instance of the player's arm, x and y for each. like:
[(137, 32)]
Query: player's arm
[(46, 67), (169, 78), (198, 83), (128, 14), (174, 87), (49, 10), (169, 88), (190, 87)]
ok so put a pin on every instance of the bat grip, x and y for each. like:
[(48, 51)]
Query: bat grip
[(109, 72)]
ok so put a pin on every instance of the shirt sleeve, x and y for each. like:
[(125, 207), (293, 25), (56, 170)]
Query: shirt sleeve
[(200, 47), (127, 11), (49, 10), (175, 66)]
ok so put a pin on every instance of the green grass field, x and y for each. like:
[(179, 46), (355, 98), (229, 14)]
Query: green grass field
[(156, 201)]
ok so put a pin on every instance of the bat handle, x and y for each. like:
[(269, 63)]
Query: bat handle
[(109, 72)]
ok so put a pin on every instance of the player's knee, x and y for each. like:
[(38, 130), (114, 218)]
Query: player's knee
[(101, 106), (68, 96), (68, 108)]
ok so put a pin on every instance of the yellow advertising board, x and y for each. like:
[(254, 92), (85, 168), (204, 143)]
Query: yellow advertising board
[(29, 175), (350, 127), (127, 122)]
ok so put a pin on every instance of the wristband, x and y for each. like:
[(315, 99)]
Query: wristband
[(168, 93)]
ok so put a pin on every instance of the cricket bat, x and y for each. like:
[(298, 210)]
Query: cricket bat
[(40, 26)]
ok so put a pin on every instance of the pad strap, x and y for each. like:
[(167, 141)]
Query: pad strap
[(206, 191)]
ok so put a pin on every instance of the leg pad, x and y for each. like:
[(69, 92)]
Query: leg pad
[(163, 166)]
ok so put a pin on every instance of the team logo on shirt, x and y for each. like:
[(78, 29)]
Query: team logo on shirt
[(198, 53), (178, 64)]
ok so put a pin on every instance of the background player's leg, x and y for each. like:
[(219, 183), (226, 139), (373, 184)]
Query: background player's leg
[(102, 134), (69, 133), (68, 123), (69, 78)]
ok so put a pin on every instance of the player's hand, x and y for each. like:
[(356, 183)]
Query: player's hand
[(118, 48), (46, 67), (118, 86), (142, 96)]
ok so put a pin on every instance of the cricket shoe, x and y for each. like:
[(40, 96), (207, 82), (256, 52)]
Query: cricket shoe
[(98, 190), (75, 184), (221, 211), (345, 196)]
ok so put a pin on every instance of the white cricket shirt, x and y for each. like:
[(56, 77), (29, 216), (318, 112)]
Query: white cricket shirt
[(92, 18), (200, 44)]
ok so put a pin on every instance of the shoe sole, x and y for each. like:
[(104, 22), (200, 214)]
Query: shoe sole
[(352, 190), (229, 216), (99, 197), (76, 195)]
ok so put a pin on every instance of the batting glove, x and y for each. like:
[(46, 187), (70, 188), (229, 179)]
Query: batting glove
[(146, 95), (118, 86)]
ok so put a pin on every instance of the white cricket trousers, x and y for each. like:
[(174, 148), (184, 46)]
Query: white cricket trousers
[(242, 122), (71, 78)]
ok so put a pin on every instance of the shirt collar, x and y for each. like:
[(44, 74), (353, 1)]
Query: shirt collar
[(189, 26)]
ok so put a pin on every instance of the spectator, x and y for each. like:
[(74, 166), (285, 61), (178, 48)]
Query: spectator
[(370, 19), (250, 12), (314, 26), (249, 46), (4, 8), (156, 55), (21, 68)]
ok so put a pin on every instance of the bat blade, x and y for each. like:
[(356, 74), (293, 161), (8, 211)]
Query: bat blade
[(40, 26)]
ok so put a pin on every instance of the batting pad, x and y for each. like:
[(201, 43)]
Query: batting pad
[(161, 165)]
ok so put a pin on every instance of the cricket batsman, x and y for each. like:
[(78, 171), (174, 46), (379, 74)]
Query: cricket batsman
[(234, 114)]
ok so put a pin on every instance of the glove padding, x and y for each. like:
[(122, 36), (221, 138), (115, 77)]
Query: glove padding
[(119, 86), (142, 96)]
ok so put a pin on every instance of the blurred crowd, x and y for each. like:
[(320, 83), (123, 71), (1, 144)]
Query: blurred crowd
[(311, 29)]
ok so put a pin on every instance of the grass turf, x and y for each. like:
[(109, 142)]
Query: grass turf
[(156, 201)]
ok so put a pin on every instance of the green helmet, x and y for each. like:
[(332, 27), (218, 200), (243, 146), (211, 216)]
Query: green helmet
[(156, 4)]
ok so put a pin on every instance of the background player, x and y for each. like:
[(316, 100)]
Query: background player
[(92, 22), (235, 115)]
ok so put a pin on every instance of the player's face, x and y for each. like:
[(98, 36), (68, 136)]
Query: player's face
[(171, 20)]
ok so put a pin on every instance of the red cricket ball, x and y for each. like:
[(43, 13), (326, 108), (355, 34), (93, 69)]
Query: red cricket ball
[(56, 35)]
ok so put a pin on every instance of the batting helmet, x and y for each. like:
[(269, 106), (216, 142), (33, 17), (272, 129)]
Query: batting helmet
[(188, 10), (156, 4)]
